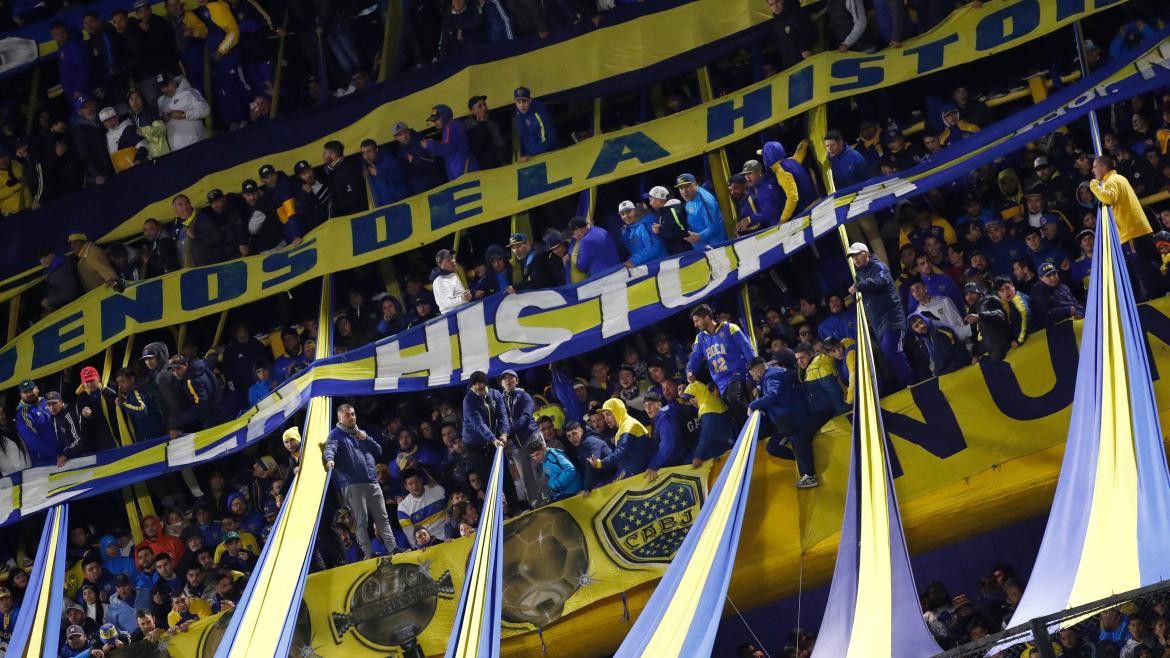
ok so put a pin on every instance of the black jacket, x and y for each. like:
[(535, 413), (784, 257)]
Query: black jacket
[(794, 34), (1053, 304), (90, 140), (211, 238), (347, 187), (164, 256), (487, 143), (71, 439), (543, 270), (672, 229)]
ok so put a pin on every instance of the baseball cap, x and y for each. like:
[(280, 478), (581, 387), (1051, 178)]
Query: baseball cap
[(267, 170), (993, 222), (1087, 233), (517, 238), (162, 79), (659, 192), (141, 3), (89, 374), (215, 194), (74, 630), (123, 579), (230, 535), (1048, 220), (442, 255), (176, 361), (857, 248), (1047, 268), (509, 372), (301, 166), (1040, 162), (77, 237), (440, 111), (107, 113), (625, 205), (522, 92), (80, 101), (27, 385), (53, 396), (399, 127), (475, 99), (478, 377), (107, 632), (249, 186), (684, 179), (752, 166), (4, 592)]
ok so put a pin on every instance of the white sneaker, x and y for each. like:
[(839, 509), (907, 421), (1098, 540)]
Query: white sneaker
[(807, 482)]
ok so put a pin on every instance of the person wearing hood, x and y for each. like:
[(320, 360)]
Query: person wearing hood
[(90, 138), (113, 562), (639, 235), (202, 394), (534, 126), (424, 169), (955, 129), (60, 280), (498, 275), (633, 448), (703, 214), (791, 178), (794, 32), (385, 173), (1010, 202), (448, 288), (351, 455), (883, 307), (1051, 300), (452, 144), (183, 108), (932, 349), (591, 252), (156, 356)]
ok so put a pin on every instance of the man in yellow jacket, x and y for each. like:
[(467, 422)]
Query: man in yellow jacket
[(1113, 190), (93, 266)]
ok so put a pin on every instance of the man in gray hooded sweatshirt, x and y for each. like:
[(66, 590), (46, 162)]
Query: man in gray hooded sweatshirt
[(170, 393)]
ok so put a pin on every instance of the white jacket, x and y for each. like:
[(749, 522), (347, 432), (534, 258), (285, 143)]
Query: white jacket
[(448, 291), (187, 131)]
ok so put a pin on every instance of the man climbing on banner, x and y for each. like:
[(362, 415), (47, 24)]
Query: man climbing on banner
[(727, 351)]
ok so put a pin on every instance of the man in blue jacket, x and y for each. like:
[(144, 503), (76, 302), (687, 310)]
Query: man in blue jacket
[(703, 214), (522, 428), (933, 349), (727, 352), (559, 472), (592, 251), (849, 167), (792, 181), (423, 169), (351, 454), (486, 426), (638, 234), (669, 447), (538, 133), (883, 308), (386, 174), (779, 395), (34, 423), (452, 143)]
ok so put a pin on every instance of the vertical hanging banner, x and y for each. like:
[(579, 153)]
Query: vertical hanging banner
[(37, 633), (1112, 504), (873, 609), (475, 632), (683, 614)]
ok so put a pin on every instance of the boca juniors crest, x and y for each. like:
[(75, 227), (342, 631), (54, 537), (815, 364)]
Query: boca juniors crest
[(644, 527)]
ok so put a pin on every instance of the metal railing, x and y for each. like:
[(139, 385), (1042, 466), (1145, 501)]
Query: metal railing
[(1036, 637)]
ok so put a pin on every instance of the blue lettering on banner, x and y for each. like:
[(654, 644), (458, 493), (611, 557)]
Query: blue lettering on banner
[(533, 180), (446, 203), (195, 287), (48, 342), (298, 260), (932, 55), (855, 69), (381, 228), (756, 108), (1069, 8), (1011, 22), (143, 302), (626, 147), (800, 87)]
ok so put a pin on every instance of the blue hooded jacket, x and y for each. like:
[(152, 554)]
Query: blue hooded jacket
[(781, 397), (670, 448), (34, 423), (117, 564), (452, 145), (935, 353), (538, 133), (389, 184), (793, 183), (595, 253), (641, 241), (705, 218), (560, 474)]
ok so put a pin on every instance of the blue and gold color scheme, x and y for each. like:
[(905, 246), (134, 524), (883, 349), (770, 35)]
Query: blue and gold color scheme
[(38, 628), (647, 526), (873, 609), (268, 610), (683, 613), (1109, 527), (476, 630)]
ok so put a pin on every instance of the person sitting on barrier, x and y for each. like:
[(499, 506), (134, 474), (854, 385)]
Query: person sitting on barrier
[(716, 429), (932, 348), (780, 398), (883, 306), (703, 214), (641, 239), (727, 352)]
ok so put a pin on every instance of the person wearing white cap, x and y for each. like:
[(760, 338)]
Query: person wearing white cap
[(640, 235), (671, 226), (883, 308), (450, 293), (125, 145)]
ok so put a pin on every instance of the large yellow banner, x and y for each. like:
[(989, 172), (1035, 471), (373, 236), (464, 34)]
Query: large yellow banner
[(104, 316)]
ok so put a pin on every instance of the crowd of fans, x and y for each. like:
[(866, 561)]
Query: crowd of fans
[(980, 265)]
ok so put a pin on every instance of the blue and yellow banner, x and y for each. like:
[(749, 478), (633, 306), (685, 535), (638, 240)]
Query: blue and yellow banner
[(969, 33), (37, 632), (683, 614), (1113, 496), (104, 316), (873, 609), (475, 632)]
